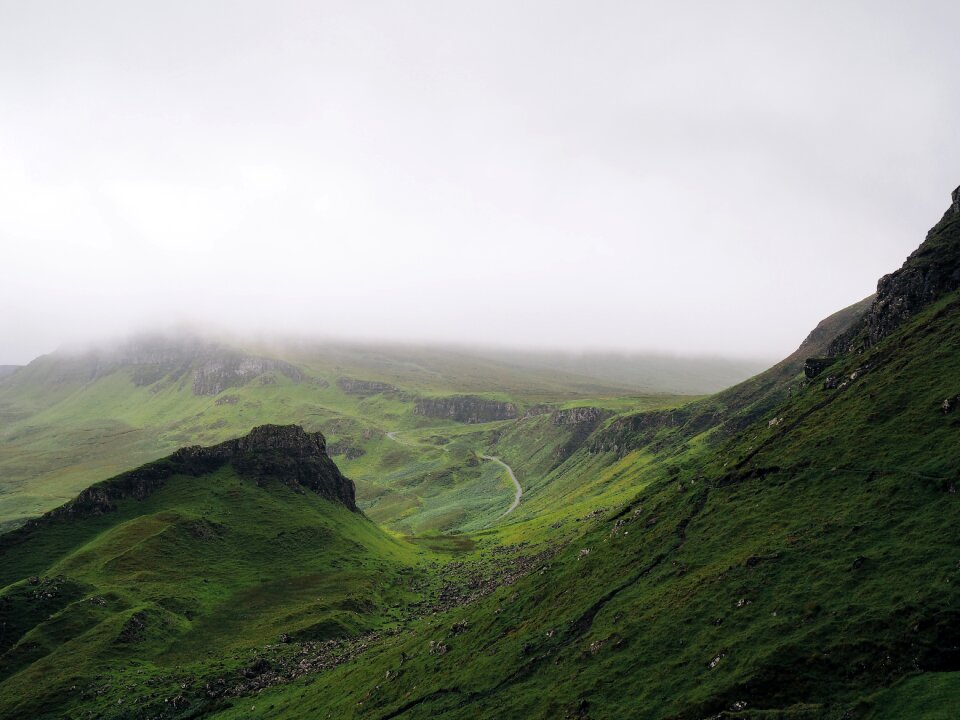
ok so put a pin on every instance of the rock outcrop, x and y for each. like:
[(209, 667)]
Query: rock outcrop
[(578, 416), (730, 410), (581, 422), (931, 271), (284, 453), (218, 374), (466, 409), (364, 387), (814, 366)]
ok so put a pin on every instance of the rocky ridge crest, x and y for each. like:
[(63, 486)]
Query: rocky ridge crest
[(285, 453), (929, 273)]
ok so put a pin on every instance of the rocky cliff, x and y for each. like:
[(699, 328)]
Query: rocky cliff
[(931, 271), (228, 370), (285, 453), (466, 409)]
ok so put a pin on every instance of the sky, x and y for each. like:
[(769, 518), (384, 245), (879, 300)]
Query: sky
[(686, 177)]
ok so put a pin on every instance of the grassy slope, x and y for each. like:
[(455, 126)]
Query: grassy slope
[(799, 570), (61, 431), (203, 569)]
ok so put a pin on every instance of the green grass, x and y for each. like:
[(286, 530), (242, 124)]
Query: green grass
[(781, 550), (65, 431), (800, 568), (211, 565)]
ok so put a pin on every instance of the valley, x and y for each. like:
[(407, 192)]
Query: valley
[(196, 530)]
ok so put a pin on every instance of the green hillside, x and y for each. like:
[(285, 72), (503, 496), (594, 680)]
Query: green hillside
[(804, 566), (187, 561), (67, 420), (787, 549)]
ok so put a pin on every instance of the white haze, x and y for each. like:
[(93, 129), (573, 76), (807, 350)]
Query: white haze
[(691, 177)]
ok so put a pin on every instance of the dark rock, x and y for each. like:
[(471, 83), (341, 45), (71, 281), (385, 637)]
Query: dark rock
[(950, 404), (931, 271), (258, 668), (814, 366), (282, 452), (134, 628), (466, 409)]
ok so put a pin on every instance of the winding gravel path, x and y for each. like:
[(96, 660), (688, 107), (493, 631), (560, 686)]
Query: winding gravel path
[(518, 493)]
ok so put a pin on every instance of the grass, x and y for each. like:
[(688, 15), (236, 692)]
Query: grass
[(785, 550), (66, 431), (807, 569), (201, 570)]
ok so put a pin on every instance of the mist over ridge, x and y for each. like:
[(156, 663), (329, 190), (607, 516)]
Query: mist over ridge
[(695, 179)]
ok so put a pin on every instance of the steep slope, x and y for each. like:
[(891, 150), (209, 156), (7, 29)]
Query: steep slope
[(201, 556), (806, 566), (733, 409)]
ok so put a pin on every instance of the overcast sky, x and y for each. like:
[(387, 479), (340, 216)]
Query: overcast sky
[(697, 177)]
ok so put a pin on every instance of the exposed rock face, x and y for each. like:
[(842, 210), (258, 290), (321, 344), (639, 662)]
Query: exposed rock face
[(230, 370), (814, 366), (931, 271), (582, 421), (578, 416), (466, 409), (642, 429), (281, 452), (364, 387)]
